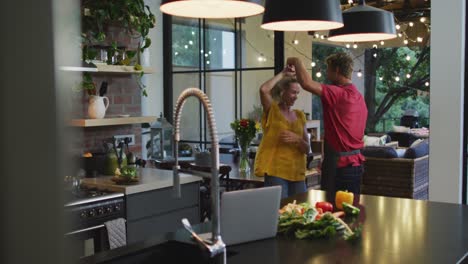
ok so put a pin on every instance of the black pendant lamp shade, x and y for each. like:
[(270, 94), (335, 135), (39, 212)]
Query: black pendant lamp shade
[(212, 8), (302, 15), (365, 23)]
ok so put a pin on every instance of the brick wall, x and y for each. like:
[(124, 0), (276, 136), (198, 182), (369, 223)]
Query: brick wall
[(124, 98)]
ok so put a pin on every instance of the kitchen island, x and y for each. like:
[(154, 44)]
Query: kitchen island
[(150, 206), (395, 230)]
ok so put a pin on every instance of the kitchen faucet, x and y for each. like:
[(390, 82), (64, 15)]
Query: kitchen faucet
[(217, 248)]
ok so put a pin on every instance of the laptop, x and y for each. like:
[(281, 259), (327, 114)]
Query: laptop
[(248, 215)]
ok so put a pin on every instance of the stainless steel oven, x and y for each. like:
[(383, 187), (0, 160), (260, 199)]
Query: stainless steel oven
[(86, 214)]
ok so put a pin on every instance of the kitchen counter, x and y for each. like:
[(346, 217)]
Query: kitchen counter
[(149, 179), (395, 230)]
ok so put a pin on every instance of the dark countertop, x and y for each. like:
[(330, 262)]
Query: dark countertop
[(395, 230)]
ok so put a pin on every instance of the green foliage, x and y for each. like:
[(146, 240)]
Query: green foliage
[(133, 15), (245, 130)]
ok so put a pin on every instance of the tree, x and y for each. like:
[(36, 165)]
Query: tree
[(387, 83)]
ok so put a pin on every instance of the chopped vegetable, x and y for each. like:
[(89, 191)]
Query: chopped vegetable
[(343, 196), (339, 214), (350, 209), (325, 206)]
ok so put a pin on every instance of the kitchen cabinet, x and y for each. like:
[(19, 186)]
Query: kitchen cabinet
[(158, 211)]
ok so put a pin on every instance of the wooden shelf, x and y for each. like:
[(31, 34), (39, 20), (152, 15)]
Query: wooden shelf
[(107, 69), (112, 121)]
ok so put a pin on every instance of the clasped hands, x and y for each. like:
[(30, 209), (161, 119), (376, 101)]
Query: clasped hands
[(287, 136)]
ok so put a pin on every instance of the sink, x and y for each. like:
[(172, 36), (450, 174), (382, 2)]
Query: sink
[(169, 252)]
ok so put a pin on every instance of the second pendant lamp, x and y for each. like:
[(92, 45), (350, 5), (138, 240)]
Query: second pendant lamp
[(302, 15), (215, 9), (364, 23)]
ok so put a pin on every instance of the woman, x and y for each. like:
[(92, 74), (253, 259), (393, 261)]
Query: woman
[(281, 156)]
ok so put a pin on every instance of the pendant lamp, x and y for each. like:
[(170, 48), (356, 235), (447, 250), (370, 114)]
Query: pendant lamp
[(212, 8), (364, 23), (302, 15)]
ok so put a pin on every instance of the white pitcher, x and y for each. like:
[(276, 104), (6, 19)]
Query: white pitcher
[(97, 106)]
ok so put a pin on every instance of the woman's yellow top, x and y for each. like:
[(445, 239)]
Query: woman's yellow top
[(274, 157)]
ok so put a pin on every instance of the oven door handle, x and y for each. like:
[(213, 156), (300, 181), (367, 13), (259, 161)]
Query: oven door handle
[(84, 230)]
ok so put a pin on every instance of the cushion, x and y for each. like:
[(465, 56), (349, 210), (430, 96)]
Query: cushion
[(401, 129), (379, 152), (374, 141), (420, 150), (416, 142)]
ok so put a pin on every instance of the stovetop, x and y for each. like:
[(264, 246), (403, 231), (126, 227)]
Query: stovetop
[(83, 196)]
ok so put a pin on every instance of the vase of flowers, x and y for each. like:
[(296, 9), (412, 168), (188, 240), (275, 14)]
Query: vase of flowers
[(245, 131)]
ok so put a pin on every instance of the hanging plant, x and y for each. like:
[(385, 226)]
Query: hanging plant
[(133, 16)]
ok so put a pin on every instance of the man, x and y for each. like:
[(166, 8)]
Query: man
[(344, 118)]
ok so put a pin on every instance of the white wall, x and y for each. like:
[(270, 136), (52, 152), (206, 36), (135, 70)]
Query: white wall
[(446, 109)]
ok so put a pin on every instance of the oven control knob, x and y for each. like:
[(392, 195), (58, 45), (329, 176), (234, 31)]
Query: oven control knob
[(100, 211), (92, 213), (108, 209), (83, 214), (117, 207)]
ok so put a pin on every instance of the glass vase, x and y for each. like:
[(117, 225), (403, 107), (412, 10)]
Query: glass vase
[(244, 164)]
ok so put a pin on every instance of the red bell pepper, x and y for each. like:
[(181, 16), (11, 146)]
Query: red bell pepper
[(325, 206)]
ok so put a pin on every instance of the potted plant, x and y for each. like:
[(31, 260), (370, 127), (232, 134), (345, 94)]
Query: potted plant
[(131, 16)]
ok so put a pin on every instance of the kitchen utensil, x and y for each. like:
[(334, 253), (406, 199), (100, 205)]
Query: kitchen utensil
[(103, 89), (131, 158)]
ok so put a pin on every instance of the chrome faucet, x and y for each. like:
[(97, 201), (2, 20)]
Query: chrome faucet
[(217, 248)]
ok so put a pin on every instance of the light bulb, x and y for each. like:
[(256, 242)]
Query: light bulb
[(355, 46), (422, 19), (411, 24), (400, 35), (318, 74), (408, 57), (186, 46), (190, 42), (206, 54), (359, 74), (209, 52), (348, 46), (176, 53), (375, 55), (408, 75), (405, 42), (419, 39), (375, 46), (317, 35), (207, 62), (295, 42), (382, 42), (397, 26), (381, 78), (312, 64), (350, 2), (201, 51), (193, 32), (214, 39), (397, 78), (426, 83)]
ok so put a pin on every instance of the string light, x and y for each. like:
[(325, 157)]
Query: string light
[(397, 79), (419, 39), (359, 73), (318, 74), (350, 2), (422, 19), (397, 26), (207, 62), (375, 55), (209, 52), (176, 53), (312, 64), (201, 51), (411, 24), (381, 78), (375, 46), (190, 42), (186, 46), (408, 57), (382, 42), (295, 42), (400, 35), (426, 83), (206, 54), (193, 33), (405, 42), (355, 46), (408, 76), (348, 46)]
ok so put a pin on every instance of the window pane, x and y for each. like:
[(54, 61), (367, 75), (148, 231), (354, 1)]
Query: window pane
[(190, 118), (220, 90), (257, 44), (185, 43), (251, 81), (219, 50)]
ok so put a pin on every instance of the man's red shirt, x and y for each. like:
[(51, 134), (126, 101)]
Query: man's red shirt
[(344, 118)]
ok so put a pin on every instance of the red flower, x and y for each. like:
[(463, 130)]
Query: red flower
[(244, 122)]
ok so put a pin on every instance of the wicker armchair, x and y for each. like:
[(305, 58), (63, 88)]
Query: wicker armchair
[(396, 177)]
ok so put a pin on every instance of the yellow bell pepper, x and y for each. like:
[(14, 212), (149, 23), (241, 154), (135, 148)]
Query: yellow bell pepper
[(343, 196)]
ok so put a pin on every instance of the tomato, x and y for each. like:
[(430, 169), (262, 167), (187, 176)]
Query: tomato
[(325, 206), (343, 196)]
